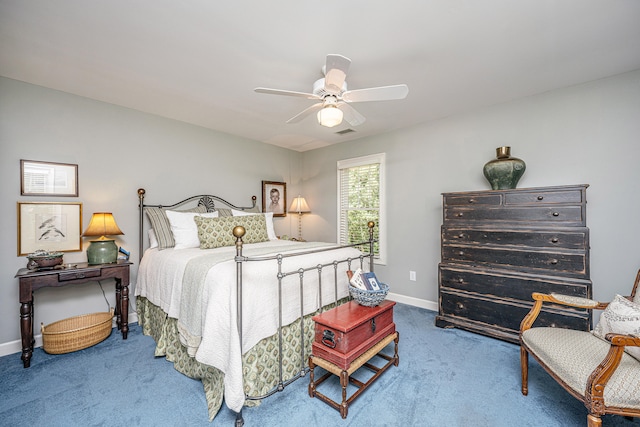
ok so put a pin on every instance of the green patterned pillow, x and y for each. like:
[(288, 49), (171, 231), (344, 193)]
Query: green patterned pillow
[(218, 232)]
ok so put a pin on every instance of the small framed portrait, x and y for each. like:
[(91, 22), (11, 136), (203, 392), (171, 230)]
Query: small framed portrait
[(50, 226), (274, 197), (48, 179)]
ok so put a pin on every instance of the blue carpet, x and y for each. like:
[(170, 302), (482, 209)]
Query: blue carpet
[(446, 377)]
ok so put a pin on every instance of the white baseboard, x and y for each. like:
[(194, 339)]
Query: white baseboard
[(16, 346), (416, 302)]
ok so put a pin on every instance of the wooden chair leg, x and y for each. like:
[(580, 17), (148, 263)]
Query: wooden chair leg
[(524, 370), (594, 421)]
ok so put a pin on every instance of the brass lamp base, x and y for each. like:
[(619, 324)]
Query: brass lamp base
[(102, 252)]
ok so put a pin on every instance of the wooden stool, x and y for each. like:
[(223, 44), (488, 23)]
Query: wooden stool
[(345, 375)]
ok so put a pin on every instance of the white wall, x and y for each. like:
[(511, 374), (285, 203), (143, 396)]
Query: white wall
[(586, 134), (117, 151), (582, 134)]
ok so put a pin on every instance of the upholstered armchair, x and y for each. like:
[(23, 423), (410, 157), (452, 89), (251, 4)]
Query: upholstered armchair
[(600, 367)]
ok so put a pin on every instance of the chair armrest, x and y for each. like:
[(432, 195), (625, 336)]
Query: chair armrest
[(602, 373), (560, 299), (623, 340), (574, 301)]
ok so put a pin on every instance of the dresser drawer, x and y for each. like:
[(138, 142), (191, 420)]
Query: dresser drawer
[(472, 199), (561, 215), (545, 262), (73, 275), (538, 239), (506, 314), (569, 197), (507, 285)]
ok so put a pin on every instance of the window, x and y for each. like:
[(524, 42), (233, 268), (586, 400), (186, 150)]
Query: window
[(361, 198)]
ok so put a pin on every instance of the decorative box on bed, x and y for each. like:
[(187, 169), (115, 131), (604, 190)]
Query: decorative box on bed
[(270, 289)]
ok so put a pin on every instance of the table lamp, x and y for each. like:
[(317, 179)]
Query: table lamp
[(300, 206), (102, 250)]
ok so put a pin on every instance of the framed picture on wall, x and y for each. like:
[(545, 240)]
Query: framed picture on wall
[(274, 197), (48, 179), (50, 226)]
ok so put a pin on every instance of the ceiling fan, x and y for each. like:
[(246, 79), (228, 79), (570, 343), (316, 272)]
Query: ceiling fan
[(334, 97)]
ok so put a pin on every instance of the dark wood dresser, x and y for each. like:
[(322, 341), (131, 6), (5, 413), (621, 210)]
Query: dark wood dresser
[(500, 246)]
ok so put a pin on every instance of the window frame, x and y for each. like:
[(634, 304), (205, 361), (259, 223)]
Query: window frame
[(380, 159)]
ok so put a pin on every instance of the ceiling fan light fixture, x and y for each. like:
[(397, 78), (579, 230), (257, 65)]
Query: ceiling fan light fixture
[(330, 116)]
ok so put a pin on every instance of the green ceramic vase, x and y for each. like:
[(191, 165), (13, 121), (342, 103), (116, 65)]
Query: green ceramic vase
[(504, 171)]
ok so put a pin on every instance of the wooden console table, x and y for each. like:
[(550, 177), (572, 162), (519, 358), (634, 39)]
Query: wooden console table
[(30, 280)]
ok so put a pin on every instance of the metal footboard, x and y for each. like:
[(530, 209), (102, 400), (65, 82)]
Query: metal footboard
[(238, 233)]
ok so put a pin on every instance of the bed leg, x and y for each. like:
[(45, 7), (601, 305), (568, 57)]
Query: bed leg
[(239, 419)]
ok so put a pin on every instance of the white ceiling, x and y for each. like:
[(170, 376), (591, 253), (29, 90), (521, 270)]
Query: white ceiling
[(198, 61)]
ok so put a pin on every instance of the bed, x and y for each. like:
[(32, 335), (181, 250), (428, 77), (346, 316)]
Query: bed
[(228, 302)]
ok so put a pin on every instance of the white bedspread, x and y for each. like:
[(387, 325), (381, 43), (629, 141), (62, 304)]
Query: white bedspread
[(207, 311)]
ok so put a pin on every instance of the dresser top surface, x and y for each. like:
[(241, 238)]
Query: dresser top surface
[(530, 189)]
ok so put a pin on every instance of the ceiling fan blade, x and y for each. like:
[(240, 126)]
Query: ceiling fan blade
[(286, 93), (383, 93), (351, 115), (308, 111), (335, 73)]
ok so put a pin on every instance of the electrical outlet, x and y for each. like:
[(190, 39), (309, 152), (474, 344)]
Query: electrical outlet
[(412, 276)]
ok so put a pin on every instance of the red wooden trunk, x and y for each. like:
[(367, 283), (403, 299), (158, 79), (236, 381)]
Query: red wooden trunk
[(347, 331)]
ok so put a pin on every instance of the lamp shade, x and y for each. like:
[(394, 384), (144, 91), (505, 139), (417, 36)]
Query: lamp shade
[(299, 205), (330, 116), (102, 224), (102, 250)]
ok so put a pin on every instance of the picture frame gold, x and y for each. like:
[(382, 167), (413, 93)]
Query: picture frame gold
[(274, 198), (48, 179), (50, 226)]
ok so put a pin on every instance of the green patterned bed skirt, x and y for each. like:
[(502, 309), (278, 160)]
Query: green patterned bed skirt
[(260, 367)]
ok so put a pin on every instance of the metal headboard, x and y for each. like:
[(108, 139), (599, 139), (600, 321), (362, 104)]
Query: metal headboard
[(207, 200)]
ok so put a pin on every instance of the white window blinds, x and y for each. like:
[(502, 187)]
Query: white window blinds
[(360, 200)]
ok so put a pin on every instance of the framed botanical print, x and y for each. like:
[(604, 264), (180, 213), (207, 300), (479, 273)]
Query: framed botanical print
[(274, 197), (48, 179), (50, 226)]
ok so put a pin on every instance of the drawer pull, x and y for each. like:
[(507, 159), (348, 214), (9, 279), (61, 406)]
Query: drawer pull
[(540, 197), (472, 200), (461, 253), (460, 280), (553, 261), (80, 275), (554, 240), (460, 236), (460, 305), (556, 214), (460, 214)]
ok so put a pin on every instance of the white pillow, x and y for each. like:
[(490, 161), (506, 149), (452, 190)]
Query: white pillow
[(620, 317), (184, 228), (268, 218), (153, 241)]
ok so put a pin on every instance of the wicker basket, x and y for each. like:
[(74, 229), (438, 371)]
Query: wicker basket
[(369, 298), (76, 333)]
